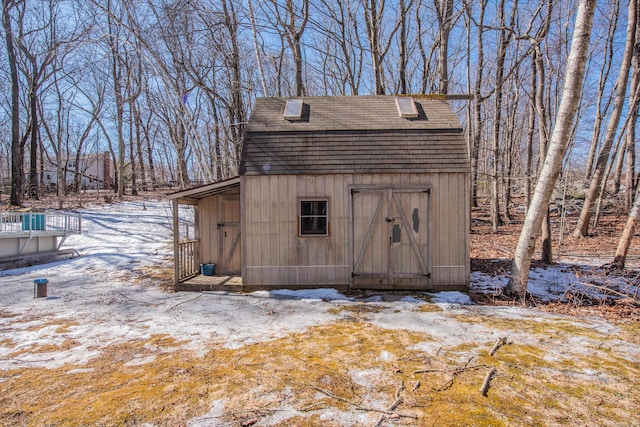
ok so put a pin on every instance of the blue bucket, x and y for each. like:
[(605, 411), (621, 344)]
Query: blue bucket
[(207, 269)]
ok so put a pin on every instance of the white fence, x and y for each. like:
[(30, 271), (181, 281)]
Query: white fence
[(58, 223)]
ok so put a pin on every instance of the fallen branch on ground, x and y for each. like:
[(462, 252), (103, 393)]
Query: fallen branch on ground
[(608, 290), (487, 381), (393, 406), (128, 298), (454, 371), (499, 343), (360, 407), (183, 302)]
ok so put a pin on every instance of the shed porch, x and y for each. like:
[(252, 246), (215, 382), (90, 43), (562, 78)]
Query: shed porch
[(201, 283), (211, 236)]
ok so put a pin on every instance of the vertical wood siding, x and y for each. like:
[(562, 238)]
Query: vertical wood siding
[(275, 255), (214, 210)]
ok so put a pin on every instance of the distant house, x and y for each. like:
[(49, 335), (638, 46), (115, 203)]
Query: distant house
[(93, 170), (346, 192)]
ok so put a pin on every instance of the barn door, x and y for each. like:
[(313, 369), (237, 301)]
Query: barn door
[(390, 238), (229, 228)]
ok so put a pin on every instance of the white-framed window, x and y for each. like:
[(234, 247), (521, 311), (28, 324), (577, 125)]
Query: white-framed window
[(314, 217)]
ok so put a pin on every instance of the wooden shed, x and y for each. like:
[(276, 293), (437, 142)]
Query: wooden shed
[(346, 192)]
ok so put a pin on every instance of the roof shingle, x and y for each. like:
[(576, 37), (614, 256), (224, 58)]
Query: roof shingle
[(353, 135)]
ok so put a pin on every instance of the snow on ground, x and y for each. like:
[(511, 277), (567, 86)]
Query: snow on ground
[(104, 297), (99, 290)]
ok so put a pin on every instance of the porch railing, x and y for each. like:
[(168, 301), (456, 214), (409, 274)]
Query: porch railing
[(188, 259), (58, 223)]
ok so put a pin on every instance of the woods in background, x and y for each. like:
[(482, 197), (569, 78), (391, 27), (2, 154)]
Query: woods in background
[(165, 87)]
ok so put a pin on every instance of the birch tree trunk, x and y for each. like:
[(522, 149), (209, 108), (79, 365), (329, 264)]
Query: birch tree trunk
[(634, 100), (598, 178), (627, 233), (571, 92)]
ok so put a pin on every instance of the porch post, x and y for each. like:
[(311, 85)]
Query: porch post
[(176, 242)]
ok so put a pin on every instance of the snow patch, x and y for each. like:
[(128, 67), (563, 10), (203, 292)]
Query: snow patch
[(451, 297)]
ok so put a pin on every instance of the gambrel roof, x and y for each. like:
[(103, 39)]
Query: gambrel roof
[(353, 134)]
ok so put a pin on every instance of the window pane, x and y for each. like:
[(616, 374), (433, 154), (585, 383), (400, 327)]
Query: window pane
[(306, 208), (314, 208), (314, 217), (313, 225)]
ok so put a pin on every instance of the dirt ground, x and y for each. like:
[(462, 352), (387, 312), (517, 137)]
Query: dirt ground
[(491, 253)]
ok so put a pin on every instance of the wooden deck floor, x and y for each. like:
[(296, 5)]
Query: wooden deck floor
[(211, 283)]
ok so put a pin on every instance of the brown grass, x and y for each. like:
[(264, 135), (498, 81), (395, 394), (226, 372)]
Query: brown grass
[(307, 371)]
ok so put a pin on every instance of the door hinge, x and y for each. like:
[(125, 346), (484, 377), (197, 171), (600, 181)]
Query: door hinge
[(354, 275), (428, 275)]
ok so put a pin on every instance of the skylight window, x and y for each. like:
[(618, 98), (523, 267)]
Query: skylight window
[(293, 109), (406, 107)]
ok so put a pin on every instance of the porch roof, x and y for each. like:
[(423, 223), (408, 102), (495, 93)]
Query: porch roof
[(192, 194)]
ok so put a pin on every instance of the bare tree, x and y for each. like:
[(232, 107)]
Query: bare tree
[(574, 76), (531, 130), (254, 35), (602, 107), (39, 48), (115, 42), (627, 234), (478, 97), (504, 39), (582, 227), (379, 45), (444, 12), (292, 30), (542, 115), (631, 182), (17, 148), (338, 31), (402, 46), (237, 110)]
